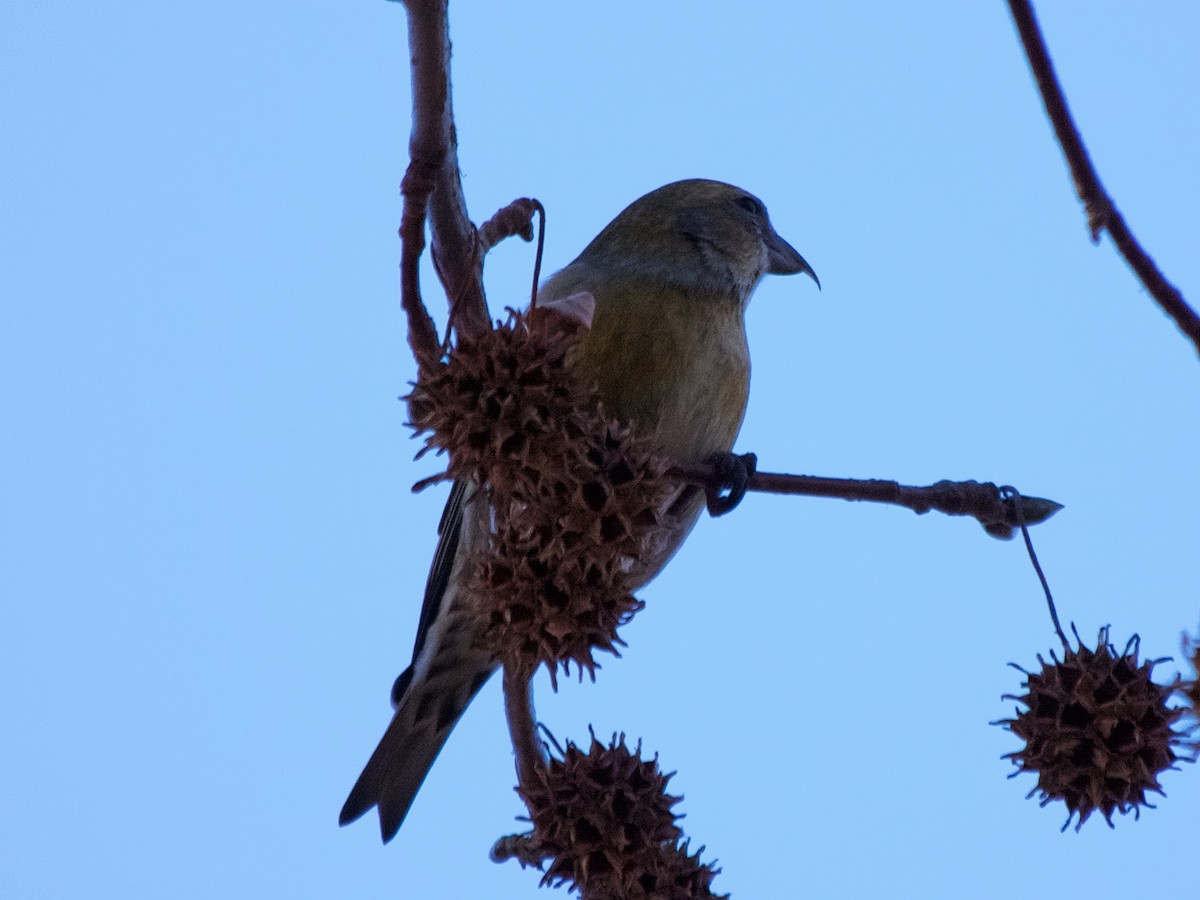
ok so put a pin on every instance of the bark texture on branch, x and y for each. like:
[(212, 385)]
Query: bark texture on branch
[(1102, 213)]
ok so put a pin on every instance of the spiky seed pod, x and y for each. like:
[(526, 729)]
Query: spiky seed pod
[(566, 549), (578, 502), (679, 875), (547, 606), (501, 399), (604, 822), (1097, 730)]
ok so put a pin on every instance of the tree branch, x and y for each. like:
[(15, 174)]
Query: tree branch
[(1102, 212), (522, 725), (981, 500), (432, 185)]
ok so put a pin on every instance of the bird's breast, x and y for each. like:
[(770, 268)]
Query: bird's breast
[(675, 366)]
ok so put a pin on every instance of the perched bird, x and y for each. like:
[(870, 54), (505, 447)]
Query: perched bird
[(671, 277)]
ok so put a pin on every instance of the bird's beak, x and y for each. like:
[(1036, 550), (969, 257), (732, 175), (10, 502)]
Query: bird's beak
[(783, 259)]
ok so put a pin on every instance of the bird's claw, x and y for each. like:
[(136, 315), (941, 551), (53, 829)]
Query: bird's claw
[(731, 478)]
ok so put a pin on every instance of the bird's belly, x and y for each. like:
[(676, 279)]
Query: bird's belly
[(703, 401)]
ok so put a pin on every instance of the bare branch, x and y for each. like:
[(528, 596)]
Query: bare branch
[(517, 219), (522, 725), (432, 184), (514, 219), (983, 501), (1102, 212)]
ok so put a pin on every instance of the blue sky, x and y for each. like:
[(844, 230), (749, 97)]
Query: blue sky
[(210, 560)]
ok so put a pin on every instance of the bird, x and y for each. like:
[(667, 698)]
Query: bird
[(671, 277)]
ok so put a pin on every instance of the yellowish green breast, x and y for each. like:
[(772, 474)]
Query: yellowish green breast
[(674, 365)]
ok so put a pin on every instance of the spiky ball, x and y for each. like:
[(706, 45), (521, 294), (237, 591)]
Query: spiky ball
[(501, 399), (578, 502), (1097, 730), (545, 604), (604, 822), (675, 874)]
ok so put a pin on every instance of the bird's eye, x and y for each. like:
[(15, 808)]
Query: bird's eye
[(750, 205)]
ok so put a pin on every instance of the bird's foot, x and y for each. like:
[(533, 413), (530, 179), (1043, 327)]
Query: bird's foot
[(732, 475)]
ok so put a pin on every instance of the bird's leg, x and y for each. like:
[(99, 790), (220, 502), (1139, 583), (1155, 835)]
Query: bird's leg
[(731, 475)]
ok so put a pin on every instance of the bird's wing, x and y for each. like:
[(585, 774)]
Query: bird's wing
[(449, 530)]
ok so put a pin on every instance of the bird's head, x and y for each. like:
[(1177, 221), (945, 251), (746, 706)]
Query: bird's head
[(697, 234)]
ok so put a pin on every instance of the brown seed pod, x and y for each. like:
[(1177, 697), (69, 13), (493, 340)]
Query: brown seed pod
[(578, 502), (1097, 730), (545, 604), (604, 822), (499, 397)]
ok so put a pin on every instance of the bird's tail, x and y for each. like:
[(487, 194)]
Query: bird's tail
[(427, 709)]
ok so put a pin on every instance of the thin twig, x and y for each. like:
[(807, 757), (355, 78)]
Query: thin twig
[(1009, 492), (433, 181), (1102, 212), (981, 500), (514, 219), (517, 219), (537, 259), (422, 333), (427, 152), (522, 725)]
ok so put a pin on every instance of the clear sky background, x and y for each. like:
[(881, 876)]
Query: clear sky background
[(210, 560)]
